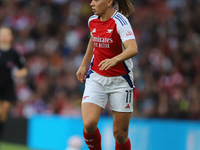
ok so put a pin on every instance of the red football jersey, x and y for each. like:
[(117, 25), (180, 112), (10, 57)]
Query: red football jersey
[(108, 37)]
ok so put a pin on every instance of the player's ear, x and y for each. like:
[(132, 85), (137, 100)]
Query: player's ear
[(109, 3)]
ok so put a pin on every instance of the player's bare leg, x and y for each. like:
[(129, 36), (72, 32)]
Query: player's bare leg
[(90, 115), (4, 108), (120, 130)]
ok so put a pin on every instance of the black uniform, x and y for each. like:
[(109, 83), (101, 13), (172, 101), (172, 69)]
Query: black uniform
[(9, 59)]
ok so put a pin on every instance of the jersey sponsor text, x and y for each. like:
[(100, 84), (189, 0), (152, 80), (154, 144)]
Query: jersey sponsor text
[(102, 40)]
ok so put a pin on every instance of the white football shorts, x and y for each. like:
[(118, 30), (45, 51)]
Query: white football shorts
[(118, 91)]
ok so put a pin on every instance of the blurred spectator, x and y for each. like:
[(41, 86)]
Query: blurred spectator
[(53, 35), (74, 143)]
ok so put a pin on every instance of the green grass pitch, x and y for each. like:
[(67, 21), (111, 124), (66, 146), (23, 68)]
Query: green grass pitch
[(10, 146)]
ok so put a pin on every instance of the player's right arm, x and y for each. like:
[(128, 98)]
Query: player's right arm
[(81, 73)]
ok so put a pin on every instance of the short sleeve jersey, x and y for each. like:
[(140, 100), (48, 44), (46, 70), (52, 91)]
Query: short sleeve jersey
[(108, 37), (9, 59)]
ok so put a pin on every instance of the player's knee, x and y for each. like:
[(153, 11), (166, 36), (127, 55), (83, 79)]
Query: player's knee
[(3, 117), (90, 126), (120, 135)]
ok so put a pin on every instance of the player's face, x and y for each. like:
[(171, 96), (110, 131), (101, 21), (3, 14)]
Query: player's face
[(99, 7), (5, 35)]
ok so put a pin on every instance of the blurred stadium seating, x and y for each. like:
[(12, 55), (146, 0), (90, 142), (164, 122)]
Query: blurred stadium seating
[(53, 35)]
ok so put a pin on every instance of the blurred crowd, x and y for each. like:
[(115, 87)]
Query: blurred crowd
[(52, 35)]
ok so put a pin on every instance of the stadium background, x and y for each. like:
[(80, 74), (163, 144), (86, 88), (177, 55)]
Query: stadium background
[(52, 35)]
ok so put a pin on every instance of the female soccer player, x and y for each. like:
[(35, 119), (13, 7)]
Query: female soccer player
[(8, 59), (110, 78)]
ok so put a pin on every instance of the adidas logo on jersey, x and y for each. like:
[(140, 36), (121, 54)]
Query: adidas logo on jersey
[(94, 30), (109, 30), (127, 106)]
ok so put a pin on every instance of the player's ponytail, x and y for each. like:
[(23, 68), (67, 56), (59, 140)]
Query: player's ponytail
[(124, 6)]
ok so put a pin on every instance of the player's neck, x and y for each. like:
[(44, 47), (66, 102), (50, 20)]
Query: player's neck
[(4, 46), (107, 15)]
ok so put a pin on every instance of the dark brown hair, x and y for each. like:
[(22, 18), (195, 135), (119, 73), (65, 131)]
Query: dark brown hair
[(124, 6)]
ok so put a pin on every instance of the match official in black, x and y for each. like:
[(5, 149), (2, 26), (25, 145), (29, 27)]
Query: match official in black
[(9, 59)]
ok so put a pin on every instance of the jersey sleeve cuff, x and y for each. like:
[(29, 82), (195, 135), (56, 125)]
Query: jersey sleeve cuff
[(128, 38)]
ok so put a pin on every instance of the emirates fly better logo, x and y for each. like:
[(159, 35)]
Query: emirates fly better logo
[(102, 42)]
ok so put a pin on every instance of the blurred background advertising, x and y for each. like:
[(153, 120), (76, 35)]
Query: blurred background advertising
[(53, 34)]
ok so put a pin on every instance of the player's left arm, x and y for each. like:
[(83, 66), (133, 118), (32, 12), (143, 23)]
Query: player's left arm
[(130, 51), (22, 71)]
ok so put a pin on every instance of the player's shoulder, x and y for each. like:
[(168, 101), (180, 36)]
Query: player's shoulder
[(92, 18), (120, 19)]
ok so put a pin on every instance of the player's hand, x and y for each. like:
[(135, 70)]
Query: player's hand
[(17, 73), (80, 74), (107, 63), (20, 73)]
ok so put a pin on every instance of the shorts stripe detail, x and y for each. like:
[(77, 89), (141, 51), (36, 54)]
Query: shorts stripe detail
[(126, 68), (89, 73), (128, 79)]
